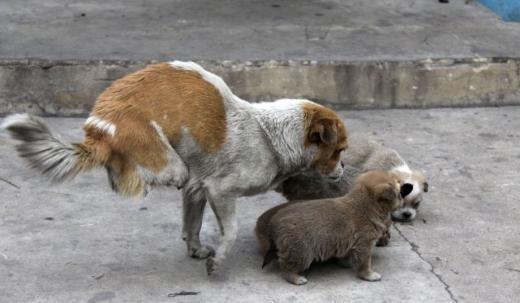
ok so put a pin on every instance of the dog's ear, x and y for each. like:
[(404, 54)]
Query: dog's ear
[(385, 192), (406, 189), (425, 187), (324, 131)]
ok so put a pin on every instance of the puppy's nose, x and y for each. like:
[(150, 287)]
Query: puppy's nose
[(407, 214)]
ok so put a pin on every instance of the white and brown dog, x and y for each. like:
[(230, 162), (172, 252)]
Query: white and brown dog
[(178, 124)]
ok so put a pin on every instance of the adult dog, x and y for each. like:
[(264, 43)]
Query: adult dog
[(178, 124)]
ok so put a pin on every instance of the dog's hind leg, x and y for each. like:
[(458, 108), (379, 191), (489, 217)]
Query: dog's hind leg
[(224, 210), (194, 202), (174, 173)]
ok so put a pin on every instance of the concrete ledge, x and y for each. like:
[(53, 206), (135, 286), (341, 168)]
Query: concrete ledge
[(69, 88)]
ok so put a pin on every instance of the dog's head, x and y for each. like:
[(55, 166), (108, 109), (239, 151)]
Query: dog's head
[(384, 187), (412, 199), (326, 136)]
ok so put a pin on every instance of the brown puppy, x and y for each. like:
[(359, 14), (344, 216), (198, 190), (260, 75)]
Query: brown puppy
[(345, 228)]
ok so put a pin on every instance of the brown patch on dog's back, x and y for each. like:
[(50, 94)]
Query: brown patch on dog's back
[(331, 140), (173, 98)]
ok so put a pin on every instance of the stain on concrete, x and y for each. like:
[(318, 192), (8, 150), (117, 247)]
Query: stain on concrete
[(465, 171), (488, 136), (102, 296)]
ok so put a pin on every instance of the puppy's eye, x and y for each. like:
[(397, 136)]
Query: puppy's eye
[(416, 204)]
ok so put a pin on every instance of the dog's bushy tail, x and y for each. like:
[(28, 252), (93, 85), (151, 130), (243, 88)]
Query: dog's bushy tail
[(48, 153)]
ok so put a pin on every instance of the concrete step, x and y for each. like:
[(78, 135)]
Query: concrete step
[(69, 88)]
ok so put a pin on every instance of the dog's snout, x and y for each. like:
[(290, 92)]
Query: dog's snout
[(407, 214)]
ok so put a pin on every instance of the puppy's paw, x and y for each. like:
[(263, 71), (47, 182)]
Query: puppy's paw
[(294, 278), (212, 264), (301, 280), (371, 276), (201, 252)]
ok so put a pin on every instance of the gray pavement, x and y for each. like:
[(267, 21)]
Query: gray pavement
[(79, 242), (56, 56), (257, 29)]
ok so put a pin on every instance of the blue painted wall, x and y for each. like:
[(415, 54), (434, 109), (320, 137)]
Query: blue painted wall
[(509, 10)]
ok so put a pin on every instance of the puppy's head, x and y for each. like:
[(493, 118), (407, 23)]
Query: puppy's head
[(413, 198), (326, 135), (384, 187)]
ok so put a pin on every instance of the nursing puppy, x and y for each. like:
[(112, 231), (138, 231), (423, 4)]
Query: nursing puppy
[(362, 155), (345, 228), (178, 124)]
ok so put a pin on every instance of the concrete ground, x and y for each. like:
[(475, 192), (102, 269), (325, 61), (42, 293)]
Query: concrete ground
[(79, 242), (255, 29)]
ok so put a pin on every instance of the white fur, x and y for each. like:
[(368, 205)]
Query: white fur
[(101, 124), (283, 122), (403, 168), (215, 80), (44, 150), (15, 119)]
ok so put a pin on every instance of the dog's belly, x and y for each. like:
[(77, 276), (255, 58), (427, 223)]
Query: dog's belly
[(240, 180)]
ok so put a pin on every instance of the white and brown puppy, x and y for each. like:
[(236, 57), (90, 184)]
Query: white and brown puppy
[(363, 155), (178, 124), (346, 228)]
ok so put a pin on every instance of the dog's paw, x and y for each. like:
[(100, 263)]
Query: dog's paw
[(177, 180), (370, 276), (212, 264), (201, 252)]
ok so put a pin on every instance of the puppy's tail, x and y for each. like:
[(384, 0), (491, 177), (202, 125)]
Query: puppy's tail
[(48, 153), (269, 256), (265, 245)]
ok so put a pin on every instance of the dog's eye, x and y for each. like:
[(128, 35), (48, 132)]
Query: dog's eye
[(416, 204)]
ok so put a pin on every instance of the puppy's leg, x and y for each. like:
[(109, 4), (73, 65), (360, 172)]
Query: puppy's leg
[(292, 260), (385, 238), (224, 210), (194, 202), (364, 264)]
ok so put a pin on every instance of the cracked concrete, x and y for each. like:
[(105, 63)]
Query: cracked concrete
[(78, 242), (414, 247)]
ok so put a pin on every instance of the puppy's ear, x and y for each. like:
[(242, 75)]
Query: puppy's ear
[(324, 131), (406, 189), (425, 187), (385, 192)]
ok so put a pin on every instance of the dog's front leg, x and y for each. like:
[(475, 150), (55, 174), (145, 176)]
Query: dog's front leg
[(224, 209), (363, 258), (194, 201), (385, 237)]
